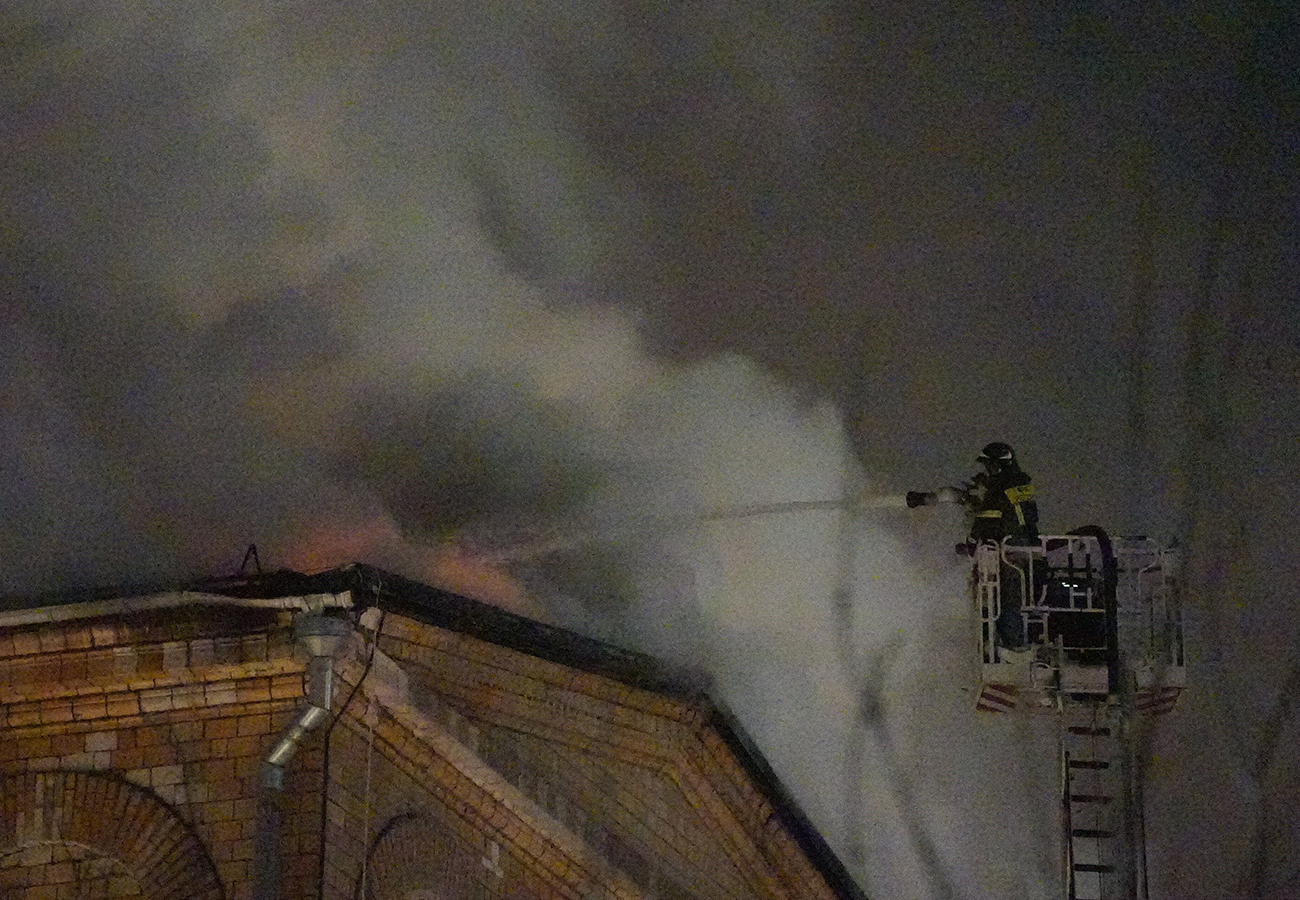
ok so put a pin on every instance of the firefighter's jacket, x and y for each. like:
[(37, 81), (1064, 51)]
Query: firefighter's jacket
[(1006, 509)]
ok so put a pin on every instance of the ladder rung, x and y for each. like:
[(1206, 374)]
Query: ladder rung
[(1090, 833), (1089, 764), (1089, 798), (1083, 729), (1092, 867)]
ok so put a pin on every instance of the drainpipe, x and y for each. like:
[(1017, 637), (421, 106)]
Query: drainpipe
[(320, 636)]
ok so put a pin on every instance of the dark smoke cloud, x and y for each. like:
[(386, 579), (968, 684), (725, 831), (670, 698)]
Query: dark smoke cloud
[(357, 282), (491, 466), (469, 454)]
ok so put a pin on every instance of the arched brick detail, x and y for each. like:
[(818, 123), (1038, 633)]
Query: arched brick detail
[(64, 869), (97, 815), (413, 855)]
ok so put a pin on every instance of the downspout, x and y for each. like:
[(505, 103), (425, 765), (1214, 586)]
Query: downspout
[(320, 636)]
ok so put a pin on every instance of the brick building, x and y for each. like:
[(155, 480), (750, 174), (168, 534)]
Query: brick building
[(181, 744)]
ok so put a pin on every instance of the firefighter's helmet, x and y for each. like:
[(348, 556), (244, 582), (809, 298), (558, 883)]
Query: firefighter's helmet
[(998, 457)]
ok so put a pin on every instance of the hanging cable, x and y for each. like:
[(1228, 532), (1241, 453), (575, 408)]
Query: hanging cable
[(372, 716), (377, 588)]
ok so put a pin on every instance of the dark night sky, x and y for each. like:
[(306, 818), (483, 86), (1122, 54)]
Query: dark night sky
[(374, 284)]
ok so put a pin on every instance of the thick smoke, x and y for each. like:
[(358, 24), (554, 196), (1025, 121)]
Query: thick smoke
[(432, 284)]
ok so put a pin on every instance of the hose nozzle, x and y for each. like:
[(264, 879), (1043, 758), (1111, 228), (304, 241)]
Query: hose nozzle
[(921, 498), (930, 498)]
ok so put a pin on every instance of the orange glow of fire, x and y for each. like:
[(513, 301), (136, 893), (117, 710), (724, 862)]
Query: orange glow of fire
[(379, 541), (326, 546)]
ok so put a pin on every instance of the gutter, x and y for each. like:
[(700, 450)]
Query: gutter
[(320, 636), (64, 612)]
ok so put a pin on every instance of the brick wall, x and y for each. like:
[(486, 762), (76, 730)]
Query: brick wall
[(414, 832), (52, 824), (175, 710), (641, 780), (131, 744), (397, 775)]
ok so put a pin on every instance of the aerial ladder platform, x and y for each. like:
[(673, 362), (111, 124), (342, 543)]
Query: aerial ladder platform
[(1089, 630)]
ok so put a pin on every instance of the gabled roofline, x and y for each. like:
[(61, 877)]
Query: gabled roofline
[(369, 586), (443, 609), (787, 810), (492, 624)]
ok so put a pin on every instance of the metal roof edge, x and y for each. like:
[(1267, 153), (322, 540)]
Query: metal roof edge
[(443, 609), (90, 609)]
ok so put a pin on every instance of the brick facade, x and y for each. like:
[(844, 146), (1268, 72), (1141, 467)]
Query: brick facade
[(132, 737), (178, 705), (57, 847)]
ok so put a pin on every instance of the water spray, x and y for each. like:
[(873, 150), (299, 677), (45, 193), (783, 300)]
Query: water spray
[(959, 496), (572, 539)]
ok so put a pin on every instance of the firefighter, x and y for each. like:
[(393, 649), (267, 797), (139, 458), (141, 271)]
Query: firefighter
[(1002, 508), (1002, 499)]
